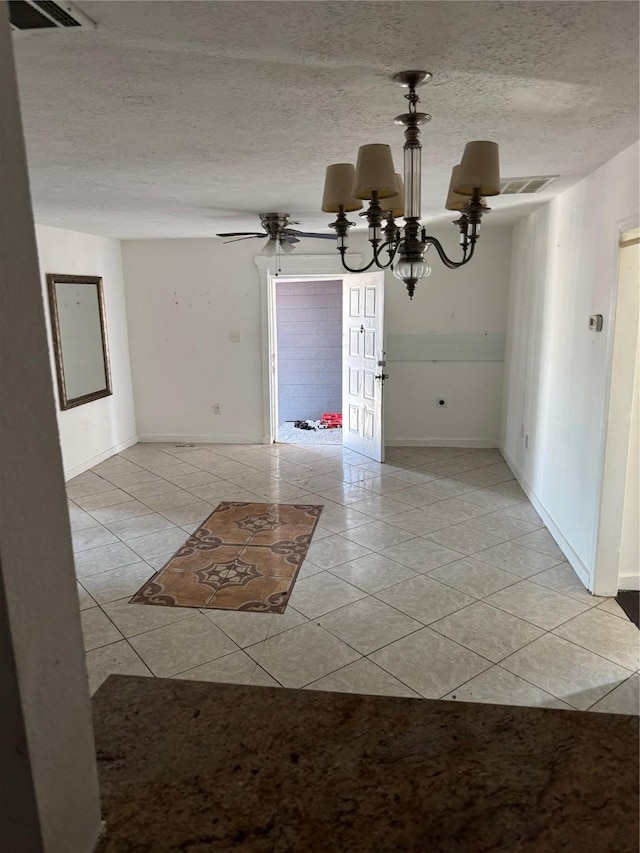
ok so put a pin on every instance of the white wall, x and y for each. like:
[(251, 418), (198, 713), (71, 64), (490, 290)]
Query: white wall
[(94, 431), (564, 268), (458, 305), (48, 776), (183, 299), (185, 296)]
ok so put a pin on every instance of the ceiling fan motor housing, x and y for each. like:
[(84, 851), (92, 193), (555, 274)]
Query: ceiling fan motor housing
[(274, 223)]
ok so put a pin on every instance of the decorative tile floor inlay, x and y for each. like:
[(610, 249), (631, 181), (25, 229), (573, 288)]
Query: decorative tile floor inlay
[(245, 556)]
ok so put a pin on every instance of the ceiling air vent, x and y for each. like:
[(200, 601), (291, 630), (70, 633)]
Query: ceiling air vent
[(26, 15), (513, 186)]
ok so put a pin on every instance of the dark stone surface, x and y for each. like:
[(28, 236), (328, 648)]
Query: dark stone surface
[(197, 766), (629, 600)]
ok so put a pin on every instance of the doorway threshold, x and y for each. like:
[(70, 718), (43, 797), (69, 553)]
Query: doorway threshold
[(289, 434)]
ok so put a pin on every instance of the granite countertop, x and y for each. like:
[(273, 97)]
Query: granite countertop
[(196, 766)]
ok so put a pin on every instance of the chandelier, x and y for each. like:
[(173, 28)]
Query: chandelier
[(374, 178)]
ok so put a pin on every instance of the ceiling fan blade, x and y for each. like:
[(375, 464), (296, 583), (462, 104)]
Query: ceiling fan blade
[(314, 235), (291, 238), (242, 234), (238, 239)]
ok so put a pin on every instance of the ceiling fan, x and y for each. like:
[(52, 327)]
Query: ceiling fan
[(279, 234)]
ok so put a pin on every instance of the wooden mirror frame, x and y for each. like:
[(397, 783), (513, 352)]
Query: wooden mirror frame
[(65, 401)]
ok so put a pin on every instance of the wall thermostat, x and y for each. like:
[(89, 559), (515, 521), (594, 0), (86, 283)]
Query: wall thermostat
[(595, 322)]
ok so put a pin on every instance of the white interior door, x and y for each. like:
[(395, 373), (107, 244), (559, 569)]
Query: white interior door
[(363, 364)]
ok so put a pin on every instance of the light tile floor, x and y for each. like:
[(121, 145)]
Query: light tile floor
[(429, 576)]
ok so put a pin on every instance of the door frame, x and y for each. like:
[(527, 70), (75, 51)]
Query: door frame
[(614, 446), (270, 269)]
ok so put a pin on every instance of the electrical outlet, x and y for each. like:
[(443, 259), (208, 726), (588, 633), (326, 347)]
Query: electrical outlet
[(216, 409), (442, 403), (235, 337)]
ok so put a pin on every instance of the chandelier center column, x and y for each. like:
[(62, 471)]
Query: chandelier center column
[(412, 249)]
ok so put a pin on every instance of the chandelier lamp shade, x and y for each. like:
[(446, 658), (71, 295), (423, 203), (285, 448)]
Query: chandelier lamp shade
[(374, 179)]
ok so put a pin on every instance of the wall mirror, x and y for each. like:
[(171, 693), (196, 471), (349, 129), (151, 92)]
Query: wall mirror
[(79, 338)]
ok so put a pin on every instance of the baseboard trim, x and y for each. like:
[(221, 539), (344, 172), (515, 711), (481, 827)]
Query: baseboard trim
[(576, 563), (204, 439), (70, 473), (629, 582), (441, 442)]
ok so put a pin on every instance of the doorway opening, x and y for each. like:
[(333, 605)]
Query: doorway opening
[(308, 359), (349, 382)]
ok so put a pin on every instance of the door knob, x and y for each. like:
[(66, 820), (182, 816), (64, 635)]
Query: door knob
[(381, 376)]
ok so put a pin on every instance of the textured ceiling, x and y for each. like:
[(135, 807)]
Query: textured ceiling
[(180, 119)]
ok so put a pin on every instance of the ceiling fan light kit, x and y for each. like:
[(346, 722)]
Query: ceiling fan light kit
[(374, 179), (278, 233)]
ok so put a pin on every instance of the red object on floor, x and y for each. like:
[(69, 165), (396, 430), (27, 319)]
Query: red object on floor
[(332, 420)]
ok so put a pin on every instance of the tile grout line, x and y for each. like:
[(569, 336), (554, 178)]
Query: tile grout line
[(366, 657), (609, 692), (482, 600), (522, 678), (435, 580), (222, 657), (430, 625), (136, 653)]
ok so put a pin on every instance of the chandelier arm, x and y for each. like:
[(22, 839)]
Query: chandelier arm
[(453, 265), (349, 269), (392, 254)]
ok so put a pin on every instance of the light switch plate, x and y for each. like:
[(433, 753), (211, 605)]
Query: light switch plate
[(235, 337)]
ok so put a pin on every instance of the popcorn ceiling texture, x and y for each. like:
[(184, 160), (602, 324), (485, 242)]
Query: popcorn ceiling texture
[(180, 119)]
